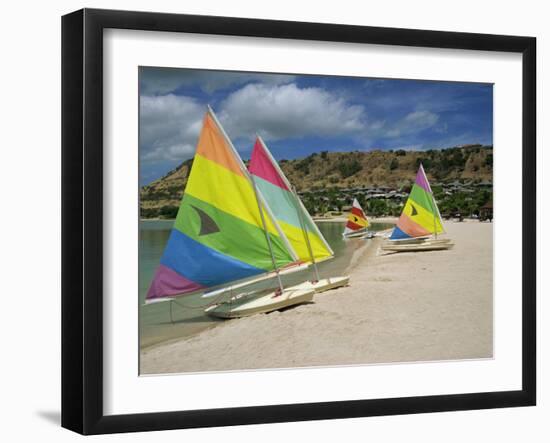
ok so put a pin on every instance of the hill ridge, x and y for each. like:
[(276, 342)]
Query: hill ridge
[(394, 169)]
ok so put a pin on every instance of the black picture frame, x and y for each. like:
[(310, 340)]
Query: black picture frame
[(82, 218)]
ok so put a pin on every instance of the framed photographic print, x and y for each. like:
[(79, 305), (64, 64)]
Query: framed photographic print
[(269, 221)]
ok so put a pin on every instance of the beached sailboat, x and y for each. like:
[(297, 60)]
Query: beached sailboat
[(224, 235), (420, 222), (292, 216), (357, 224)]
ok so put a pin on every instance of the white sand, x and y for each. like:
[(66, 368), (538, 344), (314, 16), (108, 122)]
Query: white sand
[(400, 307)]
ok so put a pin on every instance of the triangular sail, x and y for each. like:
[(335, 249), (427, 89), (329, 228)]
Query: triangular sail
[(218, 236), (357, 220), (420, 216), (288, 210)]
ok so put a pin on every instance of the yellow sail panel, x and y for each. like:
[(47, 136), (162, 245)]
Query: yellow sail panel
[(232, 193), (427, 219), (296, 237)]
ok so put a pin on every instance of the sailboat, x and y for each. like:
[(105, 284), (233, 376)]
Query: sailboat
[(420, 221), (357, 224), (224, 235), (292, 216)]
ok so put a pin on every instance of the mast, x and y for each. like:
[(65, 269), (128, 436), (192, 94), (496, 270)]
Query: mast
[(434, 204), (267, 237), (434, 207), (435, 218), (438, 214), (306, 235)]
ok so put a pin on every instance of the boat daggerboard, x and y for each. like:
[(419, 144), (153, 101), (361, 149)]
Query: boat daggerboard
[(357, 220), (420, 216), (218, 236), (288, 210)]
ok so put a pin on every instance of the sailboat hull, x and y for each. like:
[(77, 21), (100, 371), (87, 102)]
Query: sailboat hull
[(361, 234), (420, 241), (429, 245), (325, 284), (262, 305)]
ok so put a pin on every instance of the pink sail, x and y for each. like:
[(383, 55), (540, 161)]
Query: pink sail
[(261, 166)]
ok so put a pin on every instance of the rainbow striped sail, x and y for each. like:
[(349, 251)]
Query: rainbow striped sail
[(287, 208), (218, 236), (420, 216), (357, 220)]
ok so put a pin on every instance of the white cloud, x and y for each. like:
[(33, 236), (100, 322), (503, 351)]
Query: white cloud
[(284, 111), (169, 127), (172, 153), (413, 122), (170, 124)]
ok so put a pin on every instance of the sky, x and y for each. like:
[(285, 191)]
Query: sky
[(298, 115)]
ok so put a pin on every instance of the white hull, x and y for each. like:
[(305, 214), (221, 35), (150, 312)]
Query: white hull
[(354, 234), (428, 245), (420, 241), (325, 284), (361, 234), (245, 306)]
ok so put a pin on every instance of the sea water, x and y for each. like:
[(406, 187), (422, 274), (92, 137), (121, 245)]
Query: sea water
[(164, 321)]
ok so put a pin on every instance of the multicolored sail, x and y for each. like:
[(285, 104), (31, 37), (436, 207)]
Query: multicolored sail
[(420, 216), (357, 220), (288, 210), (218, 236)]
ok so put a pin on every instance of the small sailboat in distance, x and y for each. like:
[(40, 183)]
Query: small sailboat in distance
[(357, 224), (420, 221), (291, 215), (223, 235)]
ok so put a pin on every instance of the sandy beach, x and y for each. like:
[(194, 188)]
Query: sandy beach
[(399, 308)]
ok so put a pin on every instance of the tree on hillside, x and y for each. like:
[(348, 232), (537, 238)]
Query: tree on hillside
[(168, 211), (348, 167), (378, 207)]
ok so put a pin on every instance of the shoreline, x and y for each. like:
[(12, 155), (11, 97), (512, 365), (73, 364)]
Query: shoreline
[(403, 307), (369, 249), (156, 330), (363, 254)]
